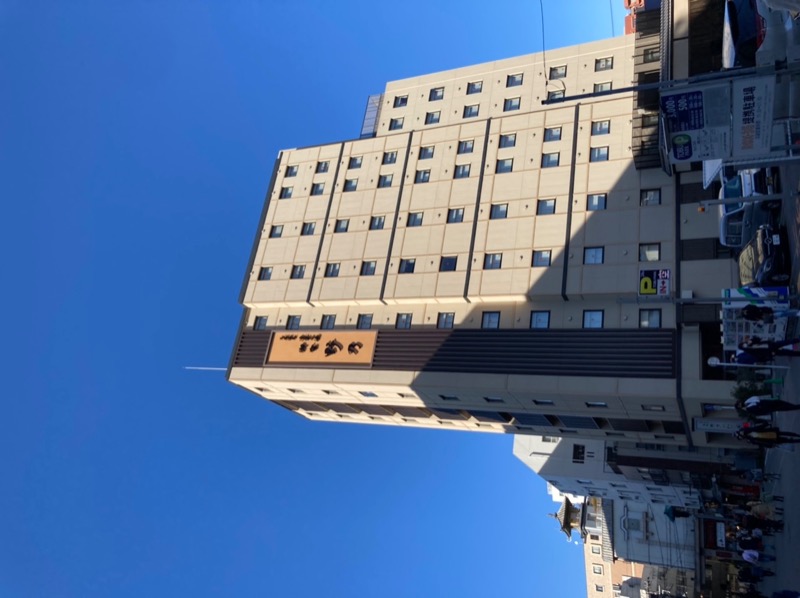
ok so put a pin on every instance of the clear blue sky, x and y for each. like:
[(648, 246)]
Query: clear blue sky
[(136, 142)]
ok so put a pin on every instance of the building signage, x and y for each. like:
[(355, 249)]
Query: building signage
[(753, 101), (654, 283), (774, 297), (343, 348), (697, 123), (721, 425)]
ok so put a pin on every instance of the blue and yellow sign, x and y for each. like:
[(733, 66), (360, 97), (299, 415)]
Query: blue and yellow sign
[(654, 283)]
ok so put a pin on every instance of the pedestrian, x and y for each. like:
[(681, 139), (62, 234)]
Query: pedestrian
[(763, 351), (766, 436), (763, 405), (764, 314), (754, 556)]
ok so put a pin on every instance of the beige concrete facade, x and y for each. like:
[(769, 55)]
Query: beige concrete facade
[(469, 170)]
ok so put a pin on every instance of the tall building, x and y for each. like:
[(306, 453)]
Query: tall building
[(482, 260)]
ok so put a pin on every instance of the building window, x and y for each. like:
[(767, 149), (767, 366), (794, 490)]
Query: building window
[(328, 322), (506, 165), (653, 408), (558, 72), (355, 162), (425, 153), (593, 318), (552, 134), (403, 321), (422, 176), (292, 322), (368, 268), (400, 101), (350, 184), (471, 111), (596, 202), (545, 207), (514, 80), (649, 318), (550, 160), (395, 124), (389, 157), (598, 154), (555, 95), (579, 455), (466, 147), (604, 64), (490, 319), (543, 402), (437, 93), (651, 55), (455, 215), (448, 263), (298, 272), (364, 321), (275, 231), (376, 222), (431, 118), (510, 104), (332, 270), (461, 171), (308, 229), (649, 252), (598, 588), (650, 197), (509, 140), (368, 394), (384, 180), (596, 404), (260, 323), (540, 319), (286, 193), (593, 255), (492, 261), (290, 171), (498, 211), (604, 86), (265, 273), (595, 549), (317, 188), (341, 226), (415, 219), (407, 266), (445, 319), (541, 258), (601, 127), (474, 87), (322, 167)]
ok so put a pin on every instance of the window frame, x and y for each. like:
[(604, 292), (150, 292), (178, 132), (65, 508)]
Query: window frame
[(276, 231), (498, 211), (474, 87), (362, 319), (433, 118), (291, 171), (603, 64), (436, 94), (514, 80), (322, 167), (403, 321), (332, 270), (466, 146), (307, 229), (598, 154), (389, 157), (317, 189), (601, 87), (601, 127), (646, 194), (471, 111), (298, 272), (557, 72), (414, 219), (507, 140), (541, 258), (396, 124), (538, 313), (354, 162), (545, 207), (512, 104), (350, 185), (385, 181), (327, 322), (647, 312), (422, 176), (293, 322), (598, 206), (260, 322), (400, 101), (493, 261), (643, 252), (445, 320), (407, 265), (492, 318), (374, 221), (651, 55), (285, 193), (504, 166), (547, 160), (555, 94), (455, 215), (461, 171), (426, 152), (341, 225), (368, 268), (589, 313), (551, 135), (265, 273), (448, 263), (592, 252)]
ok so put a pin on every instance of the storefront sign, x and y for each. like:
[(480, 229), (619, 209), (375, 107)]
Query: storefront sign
[(774, 297), (322, 348), (721, 425), (654, 283), (720, 535)]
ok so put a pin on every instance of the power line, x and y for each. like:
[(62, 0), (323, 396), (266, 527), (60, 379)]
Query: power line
[(611, 10)]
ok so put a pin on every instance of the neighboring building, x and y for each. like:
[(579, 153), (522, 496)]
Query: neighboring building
[(482, 261)]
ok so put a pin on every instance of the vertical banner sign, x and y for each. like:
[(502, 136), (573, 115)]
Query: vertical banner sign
[(654, 283), (697, 123), (753, 101)]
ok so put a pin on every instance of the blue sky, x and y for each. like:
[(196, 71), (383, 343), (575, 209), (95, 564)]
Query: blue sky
[(136, 142)]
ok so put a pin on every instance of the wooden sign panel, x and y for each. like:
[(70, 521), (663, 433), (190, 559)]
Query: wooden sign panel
[(348, 347)]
